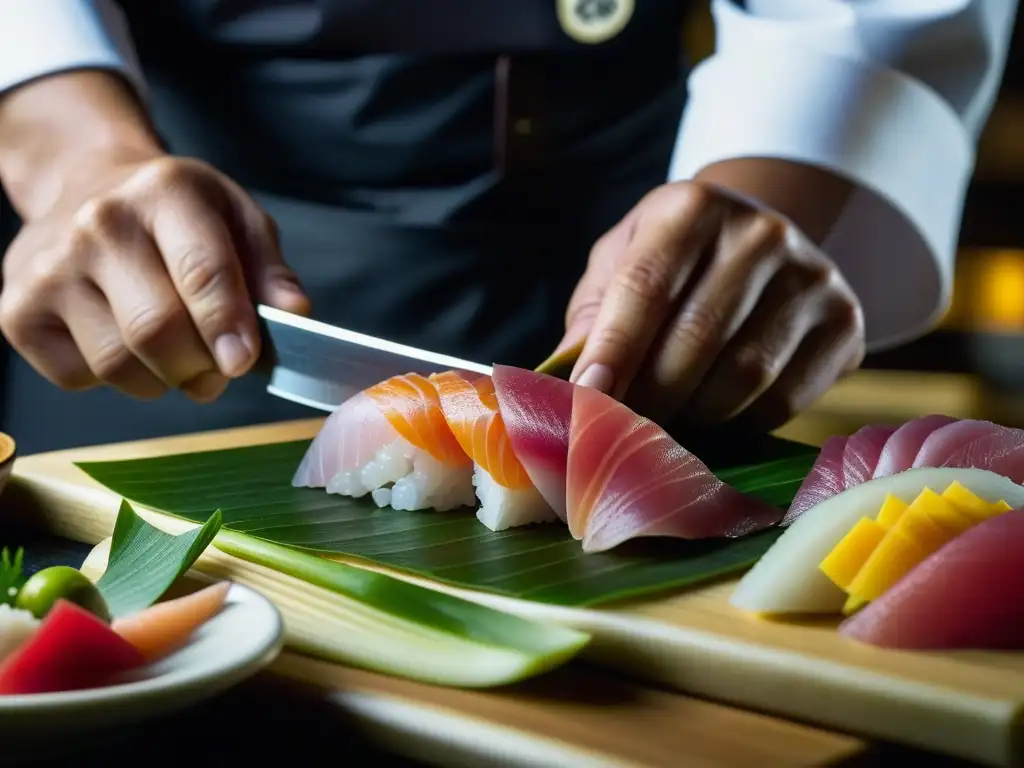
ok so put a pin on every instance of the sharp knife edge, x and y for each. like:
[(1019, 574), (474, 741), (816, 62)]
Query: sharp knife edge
[(318, 392)]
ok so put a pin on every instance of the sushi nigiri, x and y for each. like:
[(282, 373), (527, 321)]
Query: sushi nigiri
[(393, 442), (627, 478), (967, 595), (537, 411), (507, 495)]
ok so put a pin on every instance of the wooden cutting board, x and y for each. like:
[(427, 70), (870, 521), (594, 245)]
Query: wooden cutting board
[(967, 704), (572, 718)]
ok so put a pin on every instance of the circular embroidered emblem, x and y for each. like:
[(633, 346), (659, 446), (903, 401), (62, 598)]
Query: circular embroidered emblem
[(593, 21)]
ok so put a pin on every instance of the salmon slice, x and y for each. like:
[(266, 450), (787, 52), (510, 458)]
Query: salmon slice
[(412, 405), (471, 410), (165, 627)]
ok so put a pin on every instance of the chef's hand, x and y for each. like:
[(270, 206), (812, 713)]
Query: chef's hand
[(700, 306), (141, 272)]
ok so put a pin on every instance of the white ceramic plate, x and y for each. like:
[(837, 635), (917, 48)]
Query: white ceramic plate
[(244, 637)]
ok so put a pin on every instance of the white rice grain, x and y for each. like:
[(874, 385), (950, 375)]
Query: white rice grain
[(16, 626), (407, 478)]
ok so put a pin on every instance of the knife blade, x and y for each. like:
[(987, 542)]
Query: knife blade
[(320, 365)]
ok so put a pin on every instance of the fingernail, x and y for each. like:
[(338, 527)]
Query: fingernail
[(206, 386), (597, 376), (232, 354)]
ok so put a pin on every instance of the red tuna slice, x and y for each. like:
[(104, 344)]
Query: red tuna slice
[(862, 452), (825, 479), (902, 448), (967, 595), (977, 444), (71, 650), (537, 410), (628, 478)]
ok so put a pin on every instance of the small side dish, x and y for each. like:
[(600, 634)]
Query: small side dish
[(59, 631)]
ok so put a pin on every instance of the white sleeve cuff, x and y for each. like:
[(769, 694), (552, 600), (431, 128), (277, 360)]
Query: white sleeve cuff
[(44, 37), (804, 91)]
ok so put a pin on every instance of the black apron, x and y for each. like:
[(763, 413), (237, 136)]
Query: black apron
[(438, 173)]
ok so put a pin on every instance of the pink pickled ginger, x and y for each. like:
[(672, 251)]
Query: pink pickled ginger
[(628, 478), (967, 595)]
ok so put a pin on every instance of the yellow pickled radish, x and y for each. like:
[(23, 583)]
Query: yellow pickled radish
[(971, 504), (894, 557), (853, 604), (942, 512), (891, 511), (918, 525), (849, 555), (999, 507)]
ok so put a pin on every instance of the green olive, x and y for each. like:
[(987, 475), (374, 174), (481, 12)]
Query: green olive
[(49, 585)]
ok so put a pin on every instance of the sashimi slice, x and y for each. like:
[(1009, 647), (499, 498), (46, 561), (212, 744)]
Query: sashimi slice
[(507, 495), (980, 444), (823, 481), (165, 627), (967, 595), (391, 441), (537, 410), (902, 448), (628, 478), (862, 452)]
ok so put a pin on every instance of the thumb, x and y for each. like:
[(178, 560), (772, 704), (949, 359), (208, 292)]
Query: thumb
[(589, 294), (578, 320)]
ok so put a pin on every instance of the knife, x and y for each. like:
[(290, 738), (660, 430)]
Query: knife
[(321, 366)]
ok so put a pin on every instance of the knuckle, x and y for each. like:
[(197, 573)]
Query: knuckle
[(767, 231), (819, 274), (13, 302), (110, 359), (101, 218), (648, 278), (697, 326), (615, 341), (689, 196), (845, 311), (168, 172), (755, 366), (269, 227), (149, 327), (200, 272)]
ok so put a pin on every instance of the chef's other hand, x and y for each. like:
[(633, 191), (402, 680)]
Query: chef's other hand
[(701, 306), (143, 275)]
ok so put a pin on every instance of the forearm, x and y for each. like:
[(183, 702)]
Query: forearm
[(810, 197), (49, 126)]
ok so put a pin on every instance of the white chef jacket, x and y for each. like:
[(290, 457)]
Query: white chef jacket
[(890, 94)]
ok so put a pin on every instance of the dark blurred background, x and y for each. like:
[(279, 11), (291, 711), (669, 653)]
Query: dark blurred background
[(973, 364)]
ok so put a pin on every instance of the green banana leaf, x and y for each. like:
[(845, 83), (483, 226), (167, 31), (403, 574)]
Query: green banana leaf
[(145, 561), (252, 488)]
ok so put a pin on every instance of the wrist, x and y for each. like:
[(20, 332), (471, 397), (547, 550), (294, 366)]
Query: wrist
[(811, 197), (55, 132)]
